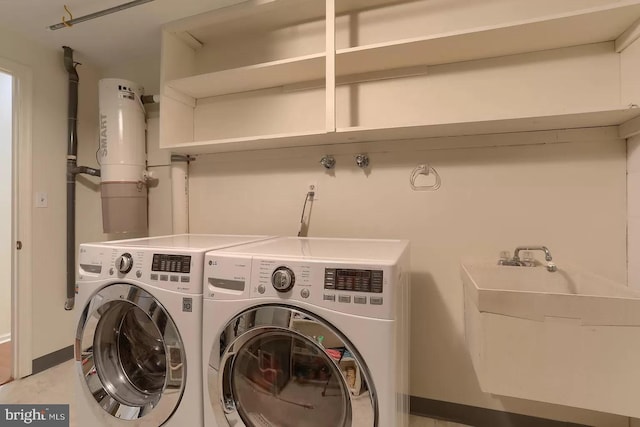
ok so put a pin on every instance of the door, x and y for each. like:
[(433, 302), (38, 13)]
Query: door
[(6, 223), (15, 162), (284, 367), (17, 198), (129, 351)]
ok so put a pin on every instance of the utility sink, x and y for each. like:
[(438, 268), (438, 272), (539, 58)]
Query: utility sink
[(535, 293), (567, 337)]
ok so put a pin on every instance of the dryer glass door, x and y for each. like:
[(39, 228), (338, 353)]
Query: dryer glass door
[(130, 354), (277, 370), (281, 379)]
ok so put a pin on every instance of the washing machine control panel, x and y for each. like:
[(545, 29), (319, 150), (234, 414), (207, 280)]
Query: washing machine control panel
[(171, 263), (176, 271), (349, 279)]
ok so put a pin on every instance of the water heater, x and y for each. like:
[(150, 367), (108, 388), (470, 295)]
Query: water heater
[(122, 157)]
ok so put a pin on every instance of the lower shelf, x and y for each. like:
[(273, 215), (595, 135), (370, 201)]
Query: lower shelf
[(584, 119)]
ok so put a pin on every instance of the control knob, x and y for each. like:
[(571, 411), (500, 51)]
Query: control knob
[(124, 263), (283, 279)]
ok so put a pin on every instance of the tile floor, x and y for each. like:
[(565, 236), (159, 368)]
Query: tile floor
[(56, 385), (5, 362)]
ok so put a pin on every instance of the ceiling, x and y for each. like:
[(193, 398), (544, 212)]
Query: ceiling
[(107, 40)]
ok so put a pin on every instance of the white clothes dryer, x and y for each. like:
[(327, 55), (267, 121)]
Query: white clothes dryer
[(307, 332), (138, 342)]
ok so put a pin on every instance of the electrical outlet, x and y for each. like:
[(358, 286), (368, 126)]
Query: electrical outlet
[(313, 186), (42, 200)]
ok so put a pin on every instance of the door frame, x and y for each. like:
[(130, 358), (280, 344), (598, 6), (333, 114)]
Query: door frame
[(21, 261)]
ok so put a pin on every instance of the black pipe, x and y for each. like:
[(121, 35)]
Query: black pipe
[(72, 170), (86, 170), (72, 153), (70, 66)]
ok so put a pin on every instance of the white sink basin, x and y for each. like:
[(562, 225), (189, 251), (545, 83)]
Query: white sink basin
[(535, 293), (568, 337)]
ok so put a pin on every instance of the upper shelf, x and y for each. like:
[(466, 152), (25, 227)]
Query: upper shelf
[(569, 29), (252, 77), (244, 16), (605, 117)]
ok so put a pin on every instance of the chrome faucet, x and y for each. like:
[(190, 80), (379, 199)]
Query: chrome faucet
[(547, 254), (516, 261)]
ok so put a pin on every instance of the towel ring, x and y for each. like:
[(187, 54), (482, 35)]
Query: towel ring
[(424, 170)]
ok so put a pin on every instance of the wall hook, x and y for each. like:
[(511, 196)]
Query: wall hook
[(64, 21)]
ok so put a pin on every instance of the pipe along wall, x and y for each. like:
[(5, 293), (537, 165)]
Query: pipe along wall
[(72, 170)]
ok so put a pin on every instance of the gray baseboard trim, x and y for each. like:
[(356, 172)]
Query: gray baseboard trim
[(52, 359), (478, 417)]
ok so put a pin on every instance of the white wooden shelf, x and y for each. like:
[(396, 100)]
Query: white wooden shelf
[(252, 77), (251, 143), (263, 15), (584, 119), (609, 117), (183, 88), (603, 24), (573, 29)]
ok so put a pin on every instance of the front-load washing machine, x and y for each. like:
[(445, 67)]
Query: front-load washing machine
[(138, 344), (307, 332)]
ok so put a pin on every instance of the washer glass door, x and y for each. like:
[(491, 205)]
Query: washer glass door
[(130, 354), (277, 370)]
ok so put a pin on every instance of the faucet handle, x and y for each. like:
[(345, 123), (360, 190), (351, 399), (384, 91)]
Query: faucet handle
[(505, 258), (528, 260)]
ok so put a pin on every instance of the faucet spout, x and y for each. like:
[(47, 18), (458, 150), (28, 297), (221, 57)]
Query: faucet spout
[(517, 262)]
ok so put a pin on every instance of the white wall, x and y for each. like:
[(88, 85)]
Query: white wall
[(491, 199), (53, 327), (631, 88), (630, 91), (569, 196), (5, 204)]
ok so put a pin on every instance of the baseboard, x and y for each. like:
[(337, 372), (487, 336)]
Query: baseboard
[(478, 417), (52, 359), (5, 338)]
